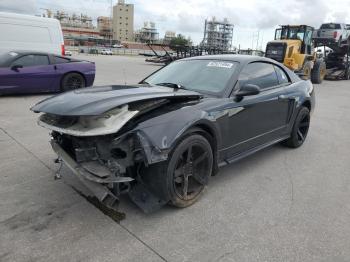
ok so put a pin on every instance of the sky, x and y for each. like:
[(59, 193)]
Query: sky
[(254, 20)]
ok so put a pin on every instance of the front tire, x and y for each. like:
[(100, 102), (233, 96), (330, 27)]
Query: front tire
[(72, 81), (300, 129), (182, 179)]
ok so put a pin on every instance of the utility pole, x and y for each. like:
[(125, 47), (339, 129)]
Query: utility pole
[(257, 40), (111, 24)]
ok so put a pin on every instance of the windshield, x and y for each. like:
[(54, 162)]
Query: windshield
[(5, 57), (331, 26), (208, 76), (290, 33)]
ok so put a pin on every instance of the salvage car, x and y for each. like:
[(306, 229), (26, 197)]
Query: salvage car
[(37, 72), (333, 33), (161, 140)]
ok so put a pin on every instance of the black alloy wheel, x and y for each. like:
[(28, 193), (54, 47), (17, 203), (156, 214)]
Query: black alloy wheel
[(300, 129), (181, 180), (191, 171), (72, 81), (303, 128)]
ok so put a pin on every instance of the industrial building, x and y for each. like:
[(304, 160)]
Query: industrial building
[(77, 29), (169, 35), (104, 26), (217, 34), (123, 22), (147, 34), (74, 20)]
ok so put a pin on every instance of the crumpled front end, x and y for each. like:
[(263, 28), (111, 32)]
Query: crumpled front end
[(106, 154), (107, 137), (108, 166)]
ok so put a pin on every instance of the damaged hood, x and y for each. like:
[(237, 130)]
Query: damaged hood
[(98, 100)]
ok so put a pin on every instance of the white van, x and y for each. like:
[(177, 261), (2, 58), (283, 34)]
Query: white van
[(26, 32)]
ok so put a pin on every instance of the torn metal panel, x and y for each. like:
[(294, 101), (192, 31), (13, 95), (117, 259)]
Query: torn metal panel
[(159, 134)]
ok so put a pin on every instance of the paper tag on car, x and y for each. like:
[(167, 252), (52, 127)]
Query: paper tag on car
[(220, 64)]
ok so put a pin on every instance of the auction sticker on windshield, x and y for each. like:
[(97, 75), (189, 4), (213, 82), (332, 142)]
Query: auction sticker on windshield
[(220, 64)]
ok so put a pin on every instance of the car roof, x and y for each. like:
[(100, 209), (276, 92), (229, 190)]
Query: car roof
[(32, 18), (28, 52), (230, 57), (21, 53), (335, 23)]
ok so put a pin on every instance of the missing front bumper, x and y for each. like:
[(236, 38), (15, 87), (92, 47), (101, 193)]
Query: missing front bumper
[(97, 185)]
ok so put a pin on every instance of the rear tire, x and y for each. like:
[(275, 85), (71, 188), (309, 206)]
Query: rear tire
[(300, 129), (319, 71), (72, 81)]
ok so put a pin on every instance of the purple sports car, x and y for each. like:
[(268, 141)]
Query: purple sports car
[(34, 72)]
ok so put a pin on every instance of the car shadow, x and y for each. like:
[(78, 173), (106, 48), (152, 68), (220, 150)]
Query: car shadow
[(226, 174)]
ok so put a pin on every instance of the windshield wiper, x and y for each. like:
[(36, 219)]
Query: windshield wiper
[(172, 85), (144, 82)]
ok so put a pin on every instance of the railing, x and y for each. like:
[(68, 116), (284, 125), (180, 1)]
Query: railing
[(115, 51)]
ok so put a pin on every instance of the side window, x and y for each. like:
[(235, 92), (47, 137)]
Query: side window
[(31, 60), (260, 74), (60, 60), (281, 75)]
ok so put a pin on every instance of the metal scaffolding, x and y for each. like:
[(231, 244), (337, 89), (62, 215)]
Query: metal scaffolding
[(217, 34), (147, 34)]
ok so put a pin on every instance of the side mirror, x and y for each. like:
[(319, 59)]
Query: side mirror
[(247, 90), (16, 67)]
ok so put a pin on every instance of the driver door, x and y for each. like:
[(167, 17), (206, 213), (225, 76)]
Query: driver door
[(258, 119), (32, 74)]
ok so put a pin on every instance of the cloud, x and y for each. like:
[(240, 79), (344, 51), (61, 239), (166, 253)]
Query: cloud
[(19, 6), (187, 16)]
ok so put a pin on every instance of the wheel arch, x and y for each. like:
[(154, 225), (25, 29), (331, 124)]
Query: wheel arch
[(205, 126), (307, 104), (159, 142), (211, 135)]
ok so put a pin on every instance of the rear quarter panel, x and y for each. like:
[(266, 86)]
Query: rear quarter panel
[(301, 93), (87, 69)]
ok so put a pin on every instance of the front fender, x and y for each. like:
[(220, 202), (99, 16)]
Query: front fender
[(159, 136)]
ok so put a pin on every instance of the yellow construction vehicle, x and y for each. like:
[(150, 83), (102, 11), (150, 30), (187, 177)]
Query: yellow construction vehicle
[(293, 46)]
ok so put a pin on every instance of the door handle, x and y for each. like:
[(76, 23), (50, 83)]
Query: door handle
[(55, 67)]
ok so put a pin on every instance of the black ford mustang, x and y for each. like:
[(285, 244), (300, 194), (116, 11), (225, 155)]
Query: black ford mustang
[(160, 140)]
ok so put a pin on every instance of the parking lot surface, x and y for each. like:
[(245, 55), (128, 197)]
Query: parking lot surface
[(277, 205)]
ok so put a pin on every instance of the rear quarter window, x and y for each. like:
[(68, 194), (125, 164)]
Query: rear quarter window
[(60, 60), (331, 26), (282, 76)]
